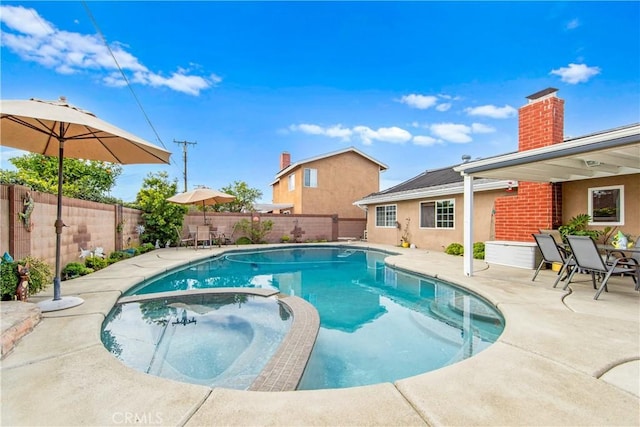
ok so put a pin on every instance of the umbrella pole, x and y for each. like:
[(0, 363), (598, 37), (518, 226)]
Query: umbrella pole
[(58, 224), (59, 303)]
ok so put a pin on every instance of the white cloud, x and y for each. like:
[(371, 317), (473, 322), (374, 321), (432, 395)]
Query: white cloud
[(492, 111), (394, 135), (452, 132), (34, 39), (573, 24), (443, 107), (421, 102), (336, 131), (424, 140), (481, 128), (576, 73)]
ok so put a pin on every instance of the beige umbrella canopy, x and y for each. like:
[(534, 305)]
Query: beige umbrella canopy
[(202, 197), (57, 128)]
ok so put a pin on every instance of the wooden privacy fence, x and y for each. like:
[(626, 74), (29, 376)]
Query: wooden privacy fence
[(29, 230)]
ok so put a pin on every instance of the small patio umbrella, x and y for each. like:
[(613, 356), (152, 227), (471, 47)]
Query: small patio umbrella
[(203, 197), (57, 128)]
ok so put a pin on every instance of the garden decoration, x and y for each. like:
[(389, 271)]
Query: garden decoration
[(25, 215), (22, 290)]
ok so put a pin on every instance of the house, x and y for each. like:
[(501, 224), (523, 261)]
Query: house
[(427, 209), (556, 179), (596, 174), (327, 184)]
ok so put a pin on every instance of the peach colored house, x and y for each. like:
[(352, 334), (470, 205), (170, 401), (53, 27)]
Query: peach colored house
[(326, 184), (430, 207), (550, 180)]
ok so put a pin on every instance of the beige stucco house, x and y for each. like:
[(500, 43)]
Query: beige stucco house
[(428, 208), (326, 184)]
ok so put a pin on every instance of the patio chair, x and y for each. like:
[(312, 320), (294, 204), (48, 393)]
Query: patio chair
[(220, 235), (619, 253), (587, 257), (553, 253), (184, 239), (203, 234)]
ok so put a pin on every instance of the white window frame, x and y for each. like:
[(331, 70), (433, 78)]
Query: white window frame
[(387, 223), (591, 193), (310, 177), (438, 213), (292, 182)]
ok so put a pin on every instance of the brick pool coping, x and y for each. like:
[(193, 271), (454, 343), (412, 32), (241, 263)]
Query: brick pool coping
[(285, 368)]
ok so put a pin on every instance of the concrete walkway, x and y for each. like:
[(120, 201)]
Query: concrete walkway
[(563, 359)]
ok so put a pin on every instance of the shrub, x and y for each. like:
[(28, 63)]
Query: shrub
[(454, 249), (95, 263), (478, 250), (73, 270), (256, 231), (40, 276), (8, 279), (118, 256), (146, 247), (243, 241)]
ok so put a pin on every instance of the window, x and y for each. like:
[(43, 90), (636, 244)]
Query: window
[(606, 205), (292, 182), (311, 177), (386, 216), (437, 214)]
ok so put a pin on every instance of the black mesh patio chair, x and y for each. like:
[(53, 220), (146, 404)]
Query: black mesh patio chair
[(553, 253), (588, 258)]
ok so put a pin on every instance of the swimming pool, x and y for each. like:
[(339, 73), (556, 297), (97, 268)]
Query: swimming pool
[(378, 324)]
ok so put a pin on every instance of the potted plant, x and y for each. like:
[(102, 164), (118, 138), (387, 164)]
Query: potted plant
[(406, 235), (578, 226)]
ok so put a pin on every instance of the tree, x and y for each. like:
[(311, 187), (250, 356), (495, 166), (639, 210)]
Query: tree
[(245, 198), (82, 179), (160, 217)]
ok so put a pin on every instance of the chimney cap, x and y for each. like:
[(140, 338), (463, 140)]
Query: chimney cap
[(542, 93)]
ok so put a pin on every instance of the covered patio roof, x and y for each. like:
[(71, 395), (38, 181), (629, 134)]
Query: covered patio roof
[(609, 153)]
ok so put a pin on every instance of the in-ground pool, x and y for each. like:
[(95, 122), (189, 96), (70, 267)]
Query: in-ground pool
[(378, 324)]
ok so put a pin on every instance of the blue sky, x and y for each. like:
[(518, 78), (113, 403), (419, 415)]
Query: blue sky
[(414, 85)]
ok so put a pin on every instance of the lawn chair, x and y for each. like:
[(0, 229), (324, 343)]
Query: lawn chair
[(220, 235), (184, 239), (553, 253), (587, 257), (203, 234)]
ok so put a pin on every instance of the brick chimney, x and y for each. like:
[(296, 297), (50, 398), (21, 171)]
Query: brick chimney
[(285, 160), (537, 205), (541, 121)]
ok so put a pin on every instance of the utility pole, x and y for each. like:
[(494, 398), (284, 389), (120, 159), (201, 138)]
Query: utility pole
[(184, 158)]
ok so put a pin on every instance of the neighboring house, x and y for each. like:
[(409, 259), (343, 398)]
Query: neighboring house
[(430, 207), (557, 179), (327, 184)]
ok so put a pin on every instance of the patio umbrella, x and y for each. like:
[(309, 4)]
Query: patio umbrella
[(202, 197), (57, 128)]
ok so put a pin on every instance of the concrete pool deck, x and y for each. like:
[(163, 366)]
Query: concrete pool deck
[(563, 359)]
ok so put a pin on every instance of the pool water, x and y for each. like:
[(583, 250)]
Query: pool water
[(220, 340), (378, 324)]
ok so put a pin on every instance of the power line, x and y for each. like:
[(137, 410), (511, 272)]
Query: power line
[(104, 40), (184, 158)]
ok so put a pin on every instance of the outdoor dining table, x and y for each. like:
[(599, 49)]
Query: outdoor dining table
[(609, 249)]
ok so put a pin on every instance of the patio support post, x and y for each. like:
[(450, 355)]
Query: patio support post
[(468, 226)]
